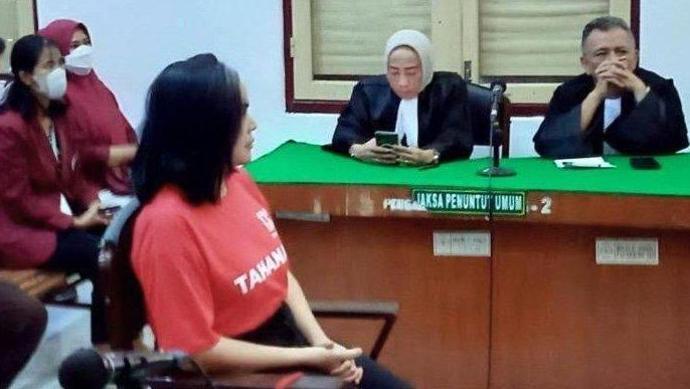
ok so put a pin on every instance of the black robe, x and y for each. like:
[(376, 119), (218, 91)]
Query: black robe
[(655, 125), (444, 122)]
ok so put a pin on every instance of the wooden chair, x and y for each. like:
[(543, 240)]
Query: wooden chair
[(44, 285), (125, 302)]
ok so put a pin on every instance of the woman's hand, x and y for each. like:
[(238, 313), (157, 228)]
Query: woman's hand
[(90, 218), (413, 156), (337, 361), (370, 152), (347, 370)]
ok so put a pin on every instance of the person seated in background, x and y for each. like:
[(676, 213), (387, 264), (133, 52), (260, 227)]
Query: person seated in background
[(213, 271), (46, 208), (428, 110), (24, 321), (615, 106), (3, 83), (110, 143), (2, 47)]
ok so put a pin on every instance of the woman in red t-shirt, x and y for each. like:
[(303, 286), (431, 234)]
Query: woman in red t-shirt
[(211, 264)]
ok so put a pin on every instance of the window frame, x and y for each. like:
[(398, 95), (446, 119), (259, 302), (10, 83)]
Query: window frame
[(8, 50), (317, 105)]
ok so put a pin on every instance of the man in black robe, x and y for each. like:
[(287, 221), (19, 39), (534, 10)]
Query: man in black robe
[(615, 106)]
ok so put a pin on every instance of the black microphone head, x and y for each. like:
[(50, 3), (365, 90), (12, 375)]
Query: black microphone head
[(84, 368), (500, 84)]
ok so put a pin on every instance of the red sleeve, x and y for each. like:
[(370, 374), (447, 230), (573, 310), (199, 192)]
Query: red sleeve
[(131, 134), (95, 153), (84, 191), (174, 278), (93, 148), (16, 193)]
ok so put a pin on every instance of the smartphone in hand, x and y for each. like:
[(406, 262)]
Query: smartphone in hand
[(386, 138), (108, 211)]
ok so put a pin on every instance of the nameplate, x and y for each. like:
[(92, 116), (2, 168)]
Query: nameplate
[(627, 251), (470, 201)]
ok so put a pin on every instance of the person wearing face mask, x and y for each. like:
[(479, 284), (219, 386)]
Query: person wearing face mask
[(110, 142), (47, 209), (428, 110), (615, 106)]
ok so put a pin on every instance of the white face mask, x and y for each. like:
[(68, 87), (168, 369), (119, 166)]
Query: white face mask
[(52, 84), (80, 60)]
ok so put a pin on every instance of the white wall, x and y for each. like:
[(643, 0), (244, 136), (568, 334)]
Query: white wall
[(664, 29), (135, 39), (664, 42)]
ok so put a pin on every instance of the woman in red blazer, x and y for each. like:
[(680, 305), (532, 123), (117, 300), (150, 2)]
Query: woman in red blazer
[(46, 208)]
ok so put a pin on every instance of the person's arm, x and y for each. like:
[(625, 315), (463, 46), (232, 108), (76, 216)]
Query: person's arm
[(95, 148), (353, 123), (590, 106), (560, 135), (656, 125), (454, 139), (237, 355), (231, 355), (304, 317), (311, 329), (121, 155), (354, 136)]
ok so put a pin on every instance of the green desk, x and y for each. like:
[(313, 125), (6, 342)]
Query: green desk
[(538, 312)]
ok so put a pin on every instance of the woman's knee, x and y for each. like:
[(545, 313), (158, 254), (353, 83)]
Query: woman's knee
[(24, 317)]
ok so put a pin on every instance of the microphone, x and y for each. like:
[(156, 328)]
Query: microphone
[(498, 85), (87, 368), (498, 88)]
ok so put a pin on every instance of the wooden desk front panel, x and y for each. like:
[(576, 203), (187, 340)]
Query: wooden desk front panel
[(562, 321), (581, 209), (442, 334), (558, 320)]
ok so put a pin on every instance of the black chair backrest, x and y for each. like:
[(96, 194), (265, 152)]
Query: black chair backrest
[(126, 307), (480, 98)]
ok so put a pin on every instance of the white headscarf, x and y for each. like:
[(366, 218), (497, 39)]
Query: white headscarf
[(407, 122), (420, 43)]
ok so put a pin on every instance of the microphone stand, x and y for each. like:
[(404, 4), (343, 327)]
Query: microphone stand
[(495, 137)]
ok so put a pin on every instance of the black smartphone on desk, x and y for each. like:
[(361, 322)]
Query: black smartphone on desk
[(644, 163)]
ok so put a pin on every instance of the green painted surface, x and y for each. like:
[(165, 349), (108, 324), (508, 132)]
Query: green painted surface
[(300, 163)]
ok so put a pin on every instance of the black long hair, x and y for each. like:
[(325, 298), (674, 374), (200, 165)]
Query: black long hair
[(192, 121), (25, 55)]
